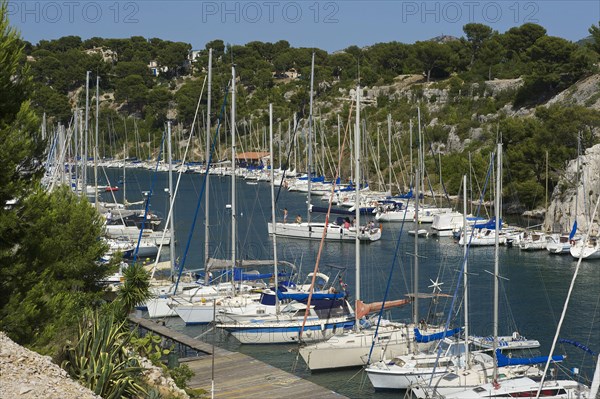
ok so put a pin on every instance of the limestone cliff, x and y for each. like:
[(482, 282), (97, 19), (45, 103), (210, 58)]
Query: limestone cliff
[(576, 194)]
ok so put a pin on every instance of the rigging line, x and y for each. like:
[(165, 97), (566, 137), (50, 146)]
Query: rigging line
[(322, 242), (462, 271), (287, 164), (439, 167), (176, 190), (208, 162), (389, 281), (562, 316), (148, 197)]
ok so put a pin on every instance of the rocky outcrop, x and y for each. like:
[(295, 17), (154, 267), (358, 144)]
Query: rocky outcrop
[(26, 374), (586, 93), (575, 199)]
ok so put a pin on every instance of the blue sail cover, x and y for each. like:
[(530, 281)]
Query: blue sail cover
[(503, 360), (577, 344), (303, 296), (490, 224), (239, 275), (573, 231), (318, 179), (435, 337)]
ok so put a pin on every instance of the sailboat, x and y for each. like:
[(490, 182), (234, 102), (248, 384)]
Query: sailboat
[(315, 230), (525, 387), (198, 305), (352, 348), (402, 371), (482, 368), (328, 314)]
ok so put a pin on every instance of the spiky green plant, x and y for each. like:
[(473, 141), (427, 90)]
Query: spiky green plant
[(101, 361), (135, 290)]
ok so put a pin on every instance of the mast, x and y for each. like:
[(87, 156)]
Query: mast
[(206, 158), (389, 121), (96, 144), (273, 208), (233, 205), (466, 274), (171, 223), (310, 126), (417, 188), (356, 199), (124, 179), (295, 143), (496, 254), (410, 127), (85, 149), (76, 152)]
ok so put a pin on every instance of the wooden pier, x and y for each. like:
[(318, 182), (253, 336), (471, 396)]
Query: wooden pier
[(236, 375)]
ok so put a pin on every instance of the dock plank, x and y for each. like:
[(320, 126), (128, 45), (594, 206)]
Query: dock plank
[(237, 375)]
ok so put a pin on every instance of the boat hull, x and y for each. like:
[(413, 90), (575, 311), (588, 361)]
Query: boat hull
[(286, 332), (352, 349), (314, 231)]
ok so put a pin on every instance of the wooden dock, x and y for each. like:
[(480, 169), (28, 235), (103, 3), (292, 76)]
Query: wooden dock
[(237, 375)]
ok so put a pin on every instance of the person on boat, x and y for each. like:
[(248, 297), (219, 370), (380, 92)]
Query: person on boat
[(298, 219), (347, 223), (285, 215)]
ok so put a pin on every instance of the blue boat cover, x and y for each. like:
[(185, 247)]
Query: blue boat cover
[(490, 224), (239, 275), (573, 231), (503, 360), (435, 337), (577, 344)]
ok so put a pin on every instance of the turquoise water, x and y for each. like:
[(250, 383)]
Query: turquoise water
[(533, 288)]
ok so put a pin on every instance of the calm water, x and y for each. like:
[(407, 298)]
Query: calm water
[(531, 297)]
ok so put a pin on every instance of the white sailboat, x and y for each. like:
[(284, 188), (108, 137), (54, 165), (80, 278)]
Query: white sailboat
[(481, 368), (403, 371), (587, 247), (290, 323), (315, 230), (352, 348)]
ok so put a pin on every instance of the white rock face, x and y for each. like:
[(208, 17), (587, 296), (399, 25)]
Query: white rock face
[(26, 374), (573, 199)]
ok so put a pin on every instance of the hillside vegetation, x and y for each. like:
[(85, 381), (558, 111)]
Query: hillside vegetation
[(471, 92)]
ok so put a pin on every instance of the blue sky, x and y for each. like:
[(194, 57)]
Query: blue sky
[(330, 25)]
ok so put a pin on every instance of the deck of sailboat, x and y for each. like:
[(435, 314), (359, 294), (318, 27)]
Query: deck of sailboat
[(236, 375)]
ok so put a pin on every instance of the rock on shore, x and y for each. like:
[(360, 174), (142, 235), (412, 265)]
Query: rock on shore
[(27, 374), (576, 194)]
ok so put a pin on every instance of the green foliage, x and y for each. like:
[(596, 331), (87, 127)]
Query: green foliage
[(434, 58), (181, 375), (50, 274), (595, 43), (100, 359), (53, 103), (135, 290), (150, 347)]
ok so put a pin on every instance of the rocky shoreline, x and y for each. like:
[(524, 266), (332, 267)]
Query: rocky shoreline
[(27, 374)]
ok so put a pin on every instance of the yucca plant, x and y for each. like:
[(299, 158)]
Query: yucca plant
[(101, 361), (135, 290)]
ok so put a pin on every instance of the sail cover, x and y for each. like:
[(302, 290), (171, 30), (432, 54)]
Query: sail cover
[(435, 337), (503, 360)]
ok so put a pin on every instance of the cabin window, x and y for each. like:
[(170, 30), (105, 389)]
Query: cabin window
[(450, 377)]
